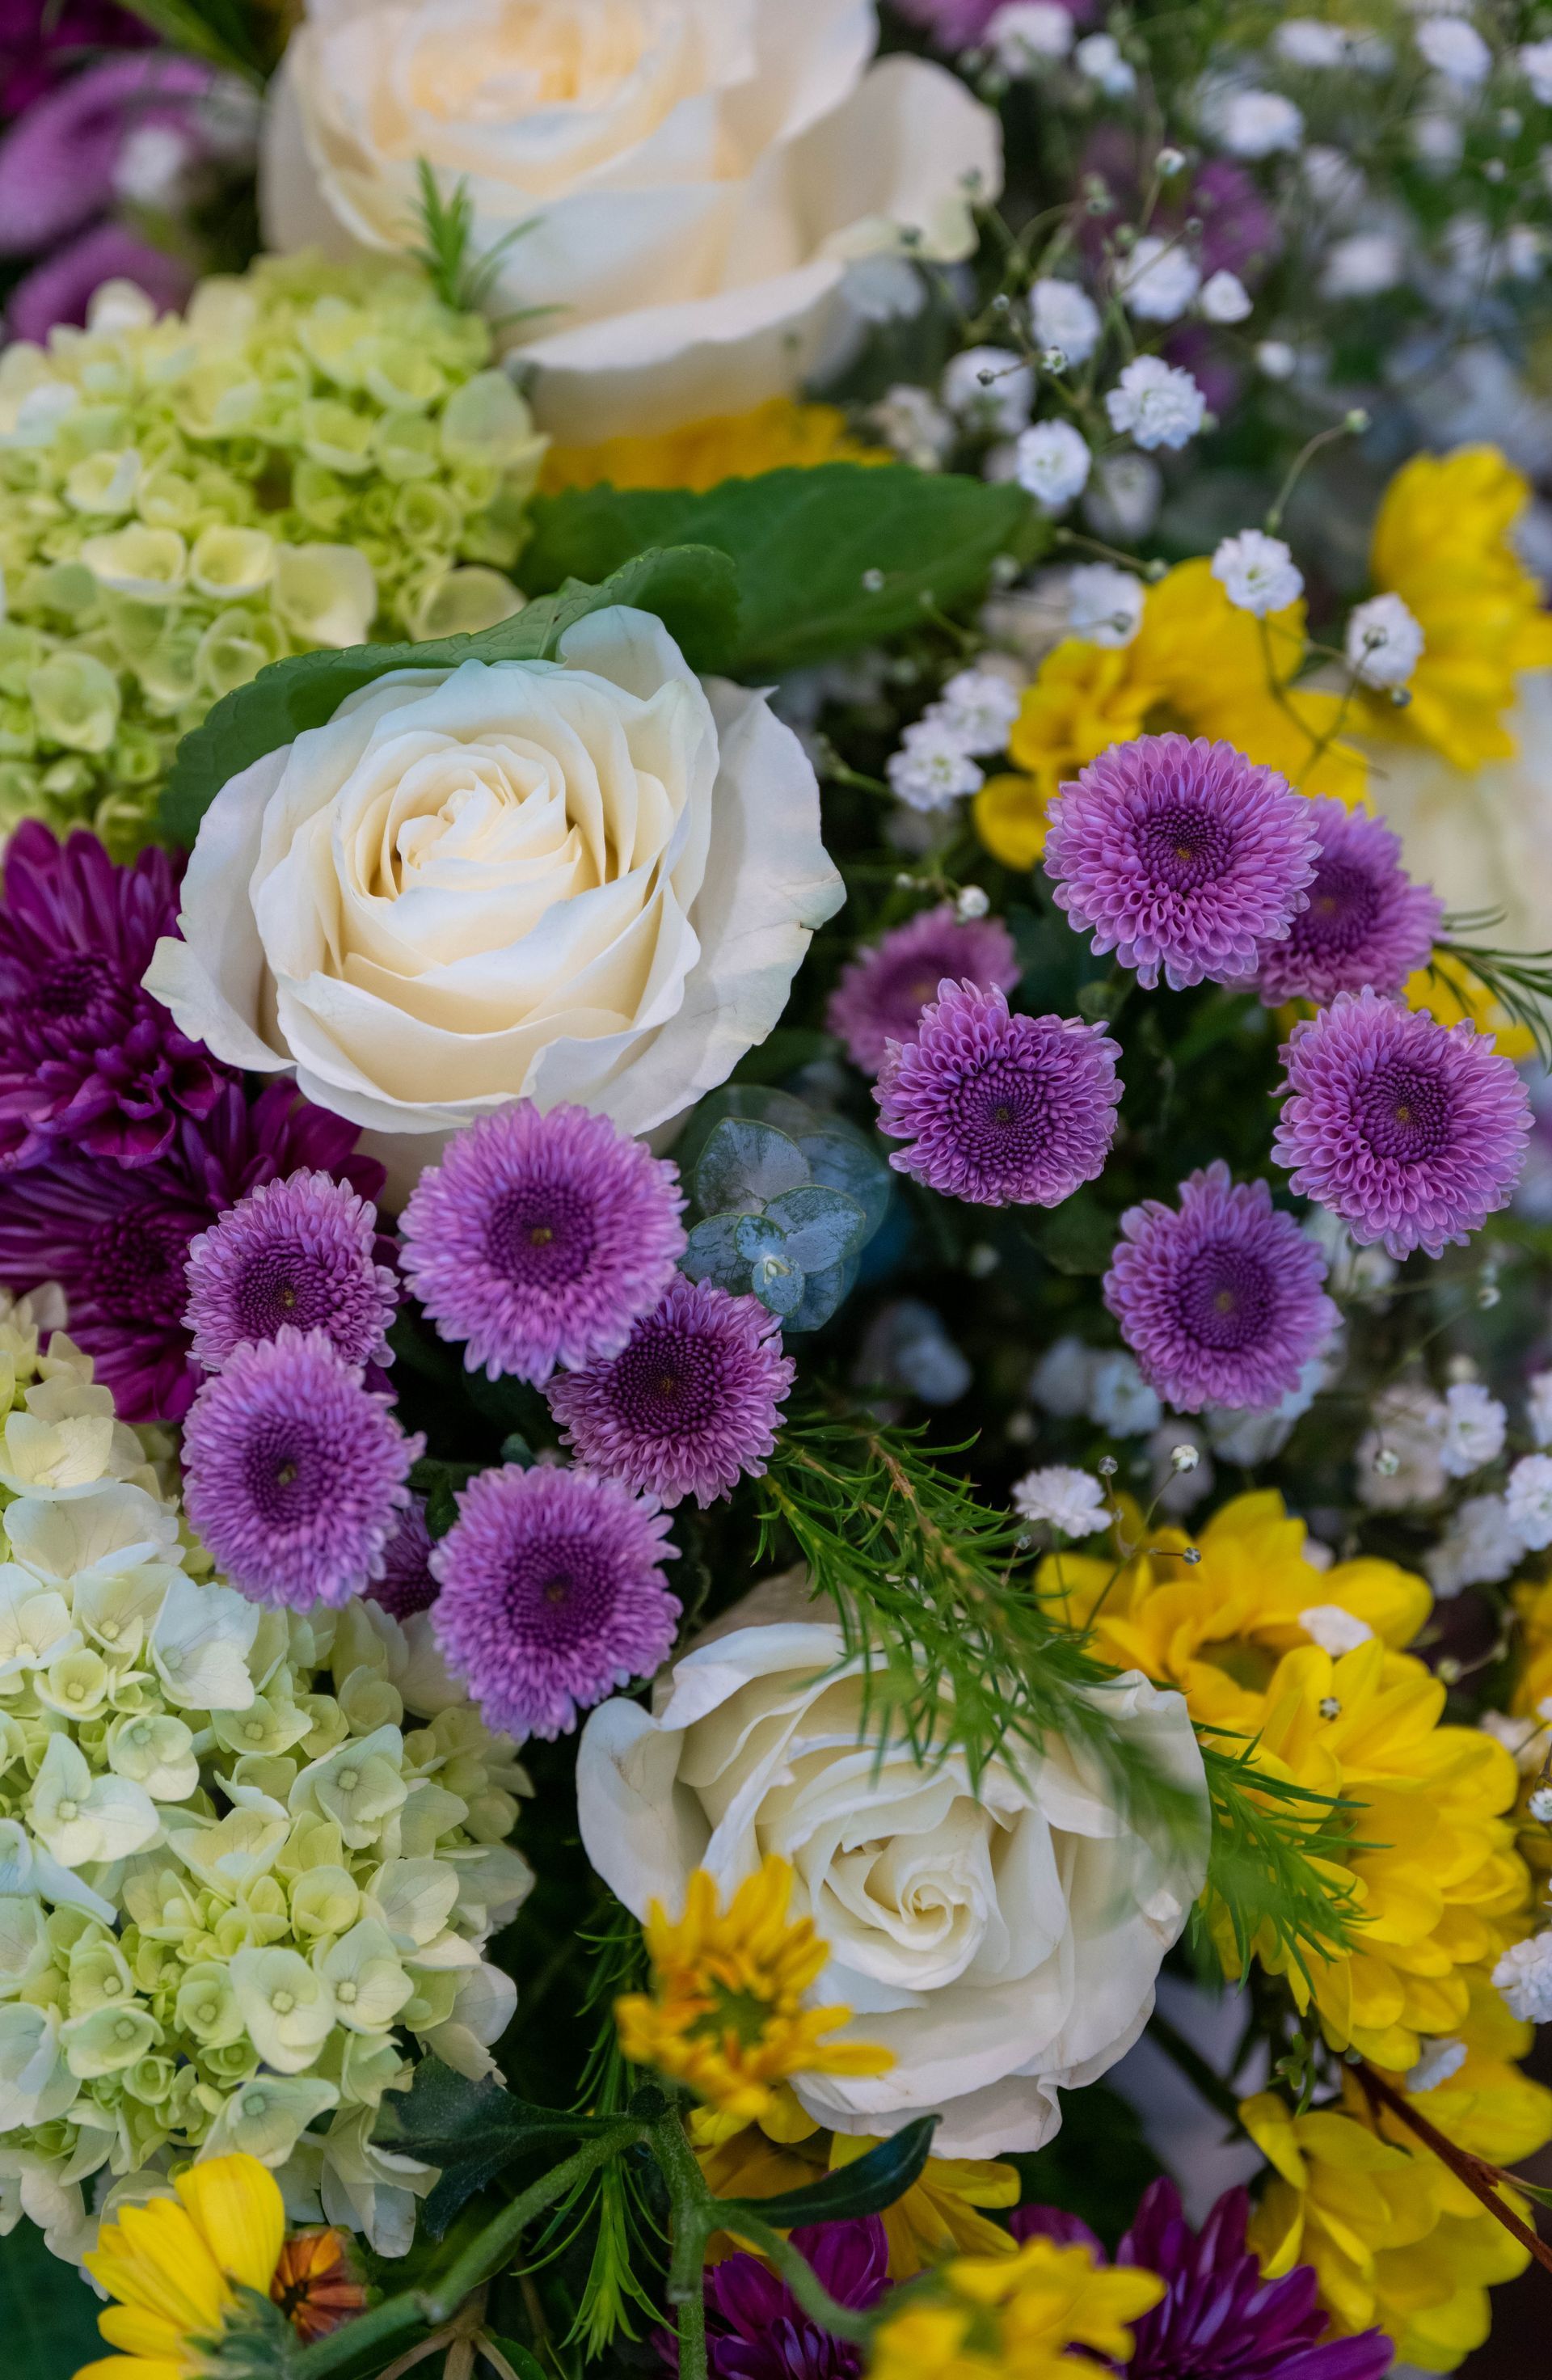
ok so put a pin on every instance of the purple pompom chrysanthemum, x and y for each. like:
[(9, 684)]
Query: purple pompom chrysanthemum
[(553, 1593), (1366, 922), (1412, 1132), (1220, 2317), (89, 1062), (541, 1239), (1001, 1109), (1220, 1302), (406, 1584), (690, 1404), (882, 992), (1180, 855), (294, 1472), (298, 1252)]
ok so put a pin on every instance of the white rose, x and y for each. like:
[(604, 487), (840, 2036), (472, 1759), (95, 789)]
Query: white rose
[(699, 174), (590, 880), (1004, 1946)]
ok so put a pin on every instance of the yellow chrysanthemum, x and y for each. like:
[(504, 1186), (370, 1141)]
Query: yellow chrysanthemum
[(1010, 815), (1449, 991), (725, 2012), (172, 2264), (1394, 2239), (703, 453), (1014, 2318), (1197, 664), (1442, 543)]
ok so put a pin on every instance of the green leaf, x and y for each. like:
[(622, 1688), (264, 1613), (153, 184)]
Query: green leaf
[(438, 1483), (828, 559), (866, 2187), (468, 2130), (1079, 1237), (690, 589), (744, 1164), (48, 2312), (523, 2360), (820, 1227)]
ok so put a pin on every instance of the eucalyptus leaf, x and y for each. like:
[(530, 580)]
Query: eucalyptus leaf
[(824, 1292), (744, 1164), (779, 1285), (712, 1254), (690, 587), (818, 1227), (840, 1157), (755, 1236), (867, 2186)]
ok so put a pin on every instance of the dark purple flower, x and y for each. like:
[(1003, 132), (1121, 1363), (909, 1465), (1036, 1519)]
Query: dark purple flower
[(1000, 1110), (39, 42), (1180, 855), (1412, 1132), (58, 163), (756, 2330), (300, 1252), (405, 1585), (294, 1472), (116, 1237), (1240, 232), (62, 287), (1366, 922), (541, 1239), (691, 1404), (882, 992), (86, 1055), (553, 1593), (1220, 2318), (1219, 1301)]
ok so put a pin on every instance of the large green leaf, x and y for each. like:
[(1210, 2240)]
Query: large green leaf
[(469, 2130), (48, 2315), (864, 2187), (828, 559), (691, 589)]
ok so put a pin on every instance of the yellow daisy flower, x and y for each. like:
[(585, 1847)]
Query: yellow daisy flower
[(174, 2266), (777, 435), (725, 2012), (1015, 2318)]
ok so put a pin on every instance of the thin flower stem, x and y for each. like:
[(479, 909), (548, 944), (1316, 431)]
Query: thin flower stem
[(1482, 2179), (1203, 2080), (1296, 469), (797, 2272)]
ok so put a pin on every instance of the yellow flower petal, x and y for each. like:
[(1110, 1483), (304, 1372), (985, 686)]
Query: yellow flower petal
[(236, 2204)]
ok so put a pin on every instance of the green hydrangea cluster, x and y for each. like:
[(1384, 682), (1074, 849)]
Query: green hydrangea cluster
[(247, 1857), (313, 454)]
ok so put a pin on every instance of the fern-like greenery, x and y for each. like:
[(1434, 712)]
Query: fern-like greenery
[(612, 2202), (936, 1595), (446, 248)]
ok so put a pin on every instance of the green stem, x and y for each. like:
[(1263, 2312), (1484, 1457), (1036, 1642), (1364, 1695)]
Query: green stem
[(692, 2337), (796, 2270), (427, 2309), (690, 2207), (1208, 2083)]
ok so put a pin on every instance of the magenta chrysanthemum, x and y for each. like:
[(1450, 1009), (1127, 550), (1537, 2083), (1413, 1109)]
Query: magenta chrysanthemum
[(405, 1584), (553, 1595), (1220, 1300), (882, 993), (690, 1406), (299, 1252), (1366, 922), (1180, 855), (1412, 1132), (294, 1472), (539, 1239), (1001, 1109)]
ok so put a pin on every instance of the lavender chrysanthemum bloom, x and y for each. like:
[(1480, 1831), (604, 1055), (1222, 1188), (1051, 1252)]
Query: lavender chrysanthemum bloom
[(406, 1584), (691, 1404), (1182, 856), (882, 992), (1220, 2317), (1412, 1132), (1366, 922), (299, 1252), (541, 1239), (116, 1237), (756, 2330), (294, 1472), (1219, 1301), (1001, 1109), (87, 1060), (553, 1593)]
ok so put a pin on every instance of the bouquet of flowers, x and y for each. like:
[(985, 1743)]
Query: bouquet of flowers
[(775, 1187)]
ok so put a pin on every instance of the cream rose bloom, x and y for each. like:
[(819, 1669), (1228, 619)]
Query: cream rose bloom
[(699, 174), (591, 879), (1003, 1946)]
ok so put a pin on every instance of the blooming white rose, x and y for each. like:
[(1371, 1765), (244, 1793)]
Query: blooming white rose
[(591, 879), (699, 176), (1002, 1944)]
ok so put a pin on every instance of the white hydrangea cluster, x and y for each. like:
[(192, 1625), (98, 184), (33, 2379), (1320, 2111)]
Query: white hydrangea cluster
[(312, 454), (243, 1853)]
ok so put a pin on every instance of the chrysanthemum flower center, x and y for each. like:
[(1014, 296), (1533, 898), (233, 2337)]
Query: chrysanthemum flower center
[(285, 1282), (137, 1262), (541, 1234), (1185, 847), (282, 1475), (1405, 1113), (1226, 1298), (74, 986), (666, 1383), (558, 1591), (1344, 907), (1004, 1113), (743, 2014)]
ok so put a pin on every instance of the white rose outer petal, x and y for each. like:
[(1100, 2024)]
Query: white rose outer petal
[(742, 130), (414, 1007), (1034, 1974)]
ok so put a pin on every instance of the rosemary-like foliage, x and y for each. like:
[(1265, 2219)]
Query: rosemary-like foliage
[(446, 248), (612, 2201), (935, 1593), (1521, 982)]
